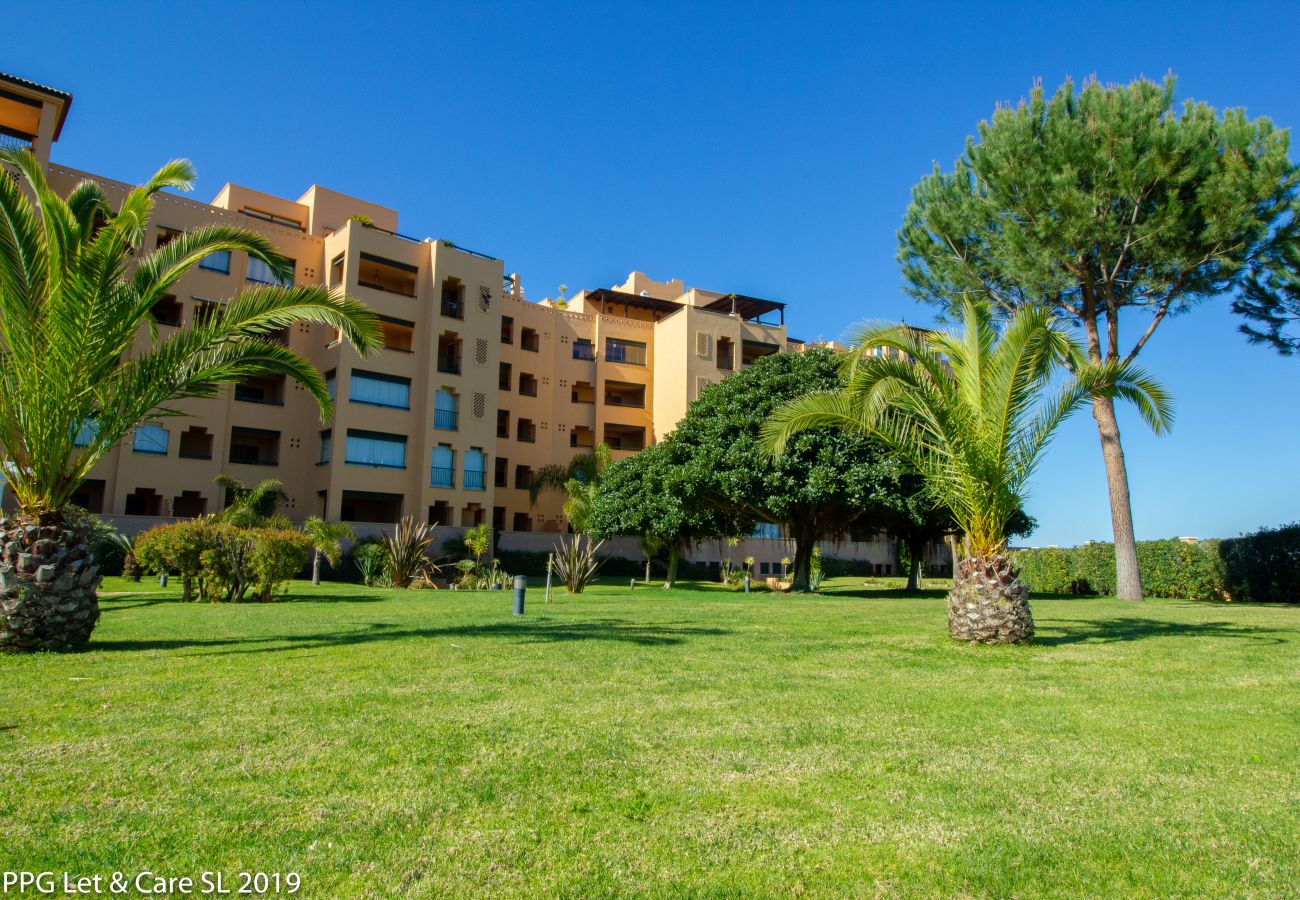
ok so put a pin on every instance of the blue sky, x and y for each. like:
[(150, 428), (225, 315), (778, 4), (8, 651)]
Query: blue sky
[(765, 149)]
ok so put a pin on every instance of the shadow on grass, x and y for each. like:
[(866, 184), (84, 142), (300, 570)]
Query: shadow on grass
[(527, 631), (1057, 632)]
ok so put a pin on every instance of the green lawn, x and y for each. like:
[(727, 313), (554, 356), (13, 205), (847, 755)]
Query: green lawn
[(695, 742)]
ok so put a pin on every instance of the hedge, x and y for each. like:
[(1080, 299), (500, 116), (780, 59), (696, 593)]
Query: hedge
[(1263, 566)]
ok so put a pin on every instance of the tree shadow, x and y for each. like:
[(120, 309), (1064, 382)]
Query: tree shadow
[(535, 631), (1058, 632)]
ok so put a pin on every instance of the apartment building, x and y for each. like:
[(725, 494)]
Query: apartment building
[(475, 390)]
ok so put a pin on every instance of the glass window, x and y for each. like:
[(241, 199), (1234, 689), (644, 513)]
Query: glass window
[(260, 273), (150, 438), (444, 410), (217, 261), (326, 445), (630, 352), (442, 466), (370, 448), (583, 349), (475, 466), (86, 433), (380, 390)]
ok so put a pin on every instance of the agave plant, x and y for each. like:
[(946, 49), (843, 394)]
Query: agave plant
[(575, 561), (972, 413), (82, 363), (406, 560)]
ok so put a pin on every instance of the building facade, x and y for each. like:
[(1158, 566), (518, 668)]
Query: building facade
[(476, 388)]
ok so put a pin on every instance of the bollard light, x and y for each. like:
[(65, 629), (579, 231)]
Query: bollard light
[(631, 585), (746, 582), (162, 580), (521, 583)]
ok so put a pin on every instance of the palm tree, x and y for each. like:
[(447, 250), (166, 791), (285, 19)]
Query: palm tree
[(580, 479), (972, 414), (327, 540), (81, 364), (253, 507)]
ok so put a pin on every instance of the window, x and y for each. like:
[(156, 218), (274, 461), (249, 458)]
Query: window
[(254, 446), (87, 432), (528, 339), (527, 384), (631, 353), (503, 423), (216, 261), (475, 466), (326, 447), (332, 384), (449, 353), (523, 477), (196, 443), (261, 390), (166, 236), (399, 334), (205, 309), (259, 272), (442, 466), (584, 349), (150, 438), (726, 354), (167, 311), (444, 410), (502, 471), (386, 275), (453, 299), (583, 392), (336, 270), (526, 432), (507, 330), (503, 379), (523, 522), (143, 502), (377, 389), (272, 218), (372, 448), (624, 393)]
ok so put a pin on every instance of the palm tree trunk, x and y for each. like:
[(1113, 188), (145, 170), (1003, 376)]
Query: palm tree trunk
[(989, 603), (315, 569), (1128, 579), (48, 585)]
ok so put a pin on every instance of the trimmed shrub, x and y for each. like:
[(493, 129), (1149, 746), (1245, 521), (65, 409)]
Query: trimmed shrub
[(1263, 566), (223, 562)]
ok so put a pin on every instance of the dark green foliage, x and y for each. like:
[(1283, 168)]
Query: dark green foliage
[(105, 547), (1270, 302), (826, 480), (533, 564), (1265, 565), (221, 562), (1260, 566)]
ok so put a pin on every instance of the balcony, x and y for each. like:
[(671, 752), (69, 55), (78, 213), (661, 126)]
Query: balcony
[(630, 353), (626, 394), (584, 349), (726, 354), (474, 480), (453, 300), (399, 335), (261, 390), (196, 443), (386, 275), (625, 437), (445, 419), (449, 354), (528, 340), (527, 385), (254, 446), (583, 392), (441, 477), (503, 423), (526, 431)]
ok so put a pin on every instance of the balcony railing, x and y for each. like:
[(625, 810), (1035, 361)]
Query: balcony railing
[(449, 364), (474, 480), (445, 419), (453, 308), (440, 477)]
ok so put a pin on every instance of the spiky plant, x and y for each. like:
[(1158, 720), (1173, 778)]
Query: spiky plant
[(327, 541), (407, 553), (580, 480), (82, 363), (576, 563), (972, 413)]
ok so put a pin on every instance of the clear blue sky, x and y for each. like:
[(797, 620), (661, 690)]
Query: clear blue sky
[(744, 147)]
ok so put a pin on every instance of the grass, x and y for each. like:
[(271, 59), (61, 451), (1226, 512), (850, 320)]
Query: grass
[(694, 742)]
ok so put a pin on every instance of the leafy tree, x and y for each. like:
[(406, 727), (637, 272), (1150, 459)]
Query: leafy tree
[(326, 541), (822, 485), (970, 413), (82, 363), (580, 480), (1107, 204), (1270, 300), (647, 496)]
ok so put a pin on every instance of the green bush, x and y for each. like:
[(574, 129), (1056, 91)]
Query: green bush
[(1263, 566), (223, 562), (177, 549)]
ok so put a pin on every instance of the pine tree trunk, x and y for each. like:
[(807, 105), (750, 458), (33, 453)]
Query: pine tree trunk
[(1128, 579), (989, 603), (48, 585)]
